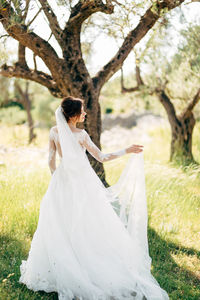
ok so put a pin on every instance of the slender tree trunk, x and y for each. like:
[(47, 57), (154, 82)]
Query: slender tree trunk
[(26, 102), (32, 135)]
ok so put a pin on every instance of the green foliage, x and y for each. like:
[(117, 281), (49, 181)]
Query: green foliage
[(108, 110), (43, 105), (189, 48), (178, 73), (12, 115), (44, 113)]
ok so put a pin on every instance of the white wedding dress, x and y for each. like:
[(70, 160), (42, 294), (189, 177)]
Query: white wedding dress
[(91, 241)]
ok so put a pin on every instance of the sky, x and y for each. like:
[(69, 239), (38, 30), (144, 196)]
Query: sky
[(104, 47)]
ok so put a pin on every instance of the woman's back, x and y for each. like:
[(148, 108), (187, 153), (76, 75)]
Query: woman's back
[(54, 137)]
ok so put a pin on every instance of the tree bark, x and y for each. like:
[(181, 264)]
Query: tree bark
[(181, 129), (181, 141)]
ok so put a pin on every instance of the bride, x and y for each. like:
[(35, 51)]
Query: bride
[(91, 241)]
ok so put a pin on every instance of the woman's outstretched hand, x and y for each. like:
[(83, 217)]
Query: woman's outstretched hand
[(134, 149)]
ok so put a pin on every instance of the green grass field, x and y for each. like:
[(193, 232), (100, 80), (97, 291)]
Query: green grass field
[(173, 195)]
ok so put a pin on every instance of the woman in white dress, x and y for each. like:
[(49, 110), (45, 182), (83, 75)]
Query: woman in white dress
[(91, 241)]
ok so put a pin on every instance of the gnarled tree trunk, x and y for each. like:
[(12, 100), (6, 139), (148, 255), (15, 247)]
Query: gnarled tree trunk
[(181, 140), (181, 129)]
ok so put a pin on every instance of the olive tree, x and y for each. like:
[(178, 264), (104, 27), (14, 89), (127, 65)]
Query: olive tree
[(176, 84), (68, 73)]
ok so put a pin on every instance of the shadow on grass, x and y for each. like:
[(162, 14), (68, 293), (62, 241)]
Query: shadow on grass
[(177, 281), (12, 252)]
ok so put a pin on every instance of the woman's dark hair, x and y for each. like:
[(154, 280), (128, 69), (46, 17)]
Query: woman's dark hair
[(71, 107)]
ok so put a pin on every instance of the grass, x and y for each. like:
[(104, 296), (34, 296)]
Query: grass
[(174, 209), (173, 195)]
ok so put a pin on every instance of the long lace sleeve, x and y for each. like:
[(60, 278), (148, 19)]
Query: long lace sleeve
[(52, 154), (96, 152)]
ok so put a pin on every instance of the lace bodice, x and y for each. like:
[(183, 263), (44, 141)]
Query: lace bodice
[(86, 143)]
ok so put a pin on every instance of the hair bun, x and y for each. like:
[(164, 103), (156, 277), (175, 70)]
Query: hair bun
[(71, 107)]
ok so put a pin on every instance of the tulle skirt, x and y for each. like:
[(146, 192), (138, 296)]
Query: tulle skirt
[(82, 249)]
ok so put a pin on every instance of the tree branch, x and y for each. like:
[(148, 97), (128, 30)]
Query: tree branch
[(31, 21), (83, 9), (21, 56), (123, 88), (37, 76), (138, 76), (192, 103), (26, 9), (146, 23), (168, 105), (4, 35), (53, 22), (20, 91), (72, 52), (35, 62), (29, 39)]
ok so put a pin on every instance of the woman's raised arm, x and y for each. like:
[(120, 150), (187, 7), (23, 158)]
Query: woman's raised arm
[(100, 156)]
